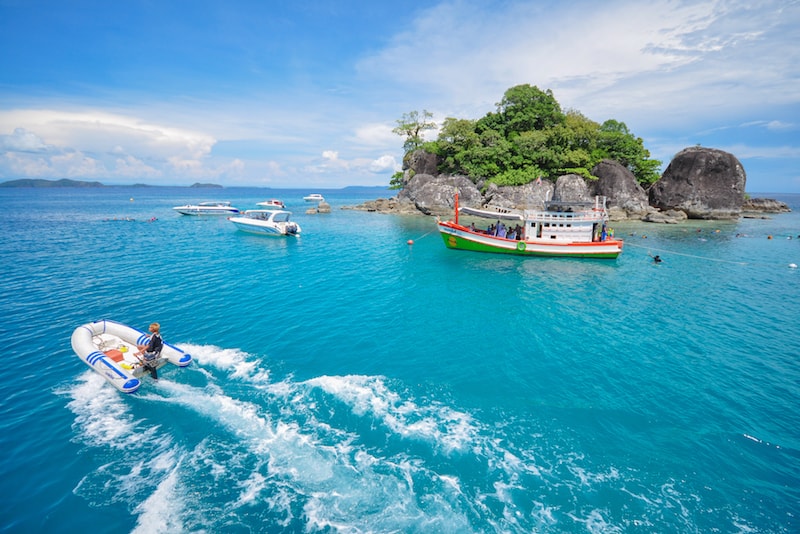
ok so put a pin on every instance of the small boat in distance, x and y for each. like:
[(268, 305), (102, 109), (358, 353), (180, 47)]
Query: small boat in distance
[(569, 229), (109, 348), (314, 197), (272, 203), (266, 222), (207, 208)]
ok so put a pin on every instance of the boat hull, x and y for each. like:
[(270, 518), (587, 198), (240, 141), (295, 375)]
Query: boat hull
[(108, 348), (252, 228), (272, 204), (461, 238), (266, 222), (205, 211)]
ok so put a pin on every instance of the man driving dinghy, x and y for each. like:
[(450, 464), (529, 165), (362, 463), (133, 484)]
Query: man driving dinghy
[(152, 351)]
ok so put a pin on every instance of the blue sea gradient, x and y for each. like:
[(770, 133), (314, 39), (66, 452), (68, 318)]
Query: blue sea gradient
[(348, 381)]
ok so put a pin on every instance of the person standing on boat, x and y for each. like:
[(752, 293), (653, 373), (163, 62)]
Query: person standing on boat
[(152, 350)]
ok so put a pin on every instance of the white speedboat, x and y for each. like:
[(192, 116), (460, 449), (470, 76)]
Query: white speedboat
[(314, 197), (109, 348), (266, 222), (272, 203), (207, 208)]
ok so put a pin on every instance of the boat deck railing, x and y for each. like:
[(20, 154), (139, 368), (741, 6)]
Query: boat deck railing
[(565, 216)]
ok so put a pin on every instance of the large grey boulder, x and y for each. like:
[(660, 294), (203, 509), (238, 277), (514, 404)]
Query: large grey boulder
[(704, 183), (421, 162), (435, 195), (626, 199), (572, 188), (528, 196)]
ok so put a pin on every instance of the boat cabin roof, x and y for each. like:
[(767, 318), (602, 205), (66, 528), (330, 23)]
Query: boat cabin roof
[(273, 215), (560, 205), (493, 213)]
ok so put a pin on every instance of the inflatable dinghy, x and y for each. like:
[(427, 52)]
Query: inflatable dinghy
[(109, 348)]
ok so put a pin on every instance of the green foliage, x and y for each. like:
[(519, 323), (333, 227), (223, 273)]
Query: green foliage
[(617, 143), (581, 171), (524, 108), (397, 181), (517, 176), (411, 125), (528, 136)]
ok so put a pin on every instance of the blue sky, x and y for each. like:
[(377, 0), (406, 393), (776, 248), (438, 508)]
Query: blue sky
[(305, 94)]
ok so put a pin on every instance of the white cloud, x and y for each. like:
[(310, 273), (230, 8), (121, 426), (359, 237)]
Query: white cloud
[(69, 164), (132, 167), (22, 141), (78, 165), (117, 143), (672, 70), (743, 151), (780, 125), (619, 59), (383, 164), (376, 135), (101, 131)]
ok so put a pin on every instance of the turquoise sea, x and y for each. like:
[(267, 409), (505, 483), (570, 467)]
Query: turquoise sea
[(347, 381)]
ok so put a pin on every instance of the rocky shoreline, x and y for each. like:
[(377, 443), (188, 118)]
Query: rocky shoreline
[(699, 183)]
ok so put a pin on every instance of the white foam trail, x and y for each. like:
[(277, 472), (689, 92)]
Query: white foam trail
[(341, 486), (234, 360), (102, 416), (448, 429), (251, 488), (141, 455), (288, 451), (162, 511)]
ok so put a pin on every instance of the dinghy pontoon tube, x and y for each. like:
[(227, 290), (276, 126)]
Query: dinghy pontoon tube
[(108, 347)]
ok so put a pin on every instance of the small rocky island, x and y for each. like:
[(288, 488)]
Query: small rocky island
[(699, 183)]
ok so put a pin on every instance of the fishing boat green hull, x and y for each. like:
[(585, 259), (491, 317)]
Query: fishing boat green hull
[(462, 239), (563, 229)]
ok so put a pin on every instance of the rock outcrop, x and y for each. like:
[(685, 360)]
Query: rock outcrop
[(764, 205), (422, 162), (435, 195), (626, 198), (529, 196), (699, 183), (322, 207), (704, 183)]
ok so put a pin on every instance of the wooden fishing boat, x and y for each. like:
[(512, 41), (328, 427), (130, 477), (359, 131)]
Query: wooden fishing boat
[(569, 229)]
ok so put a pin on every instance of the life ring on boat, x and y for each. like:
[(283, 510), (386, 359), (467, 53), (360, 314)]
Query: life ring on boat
[(521, 246)]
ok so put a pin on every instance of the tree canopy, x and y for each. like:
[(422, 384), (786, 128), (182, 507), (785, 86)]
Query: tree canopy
[(527, 137), (411, 125)]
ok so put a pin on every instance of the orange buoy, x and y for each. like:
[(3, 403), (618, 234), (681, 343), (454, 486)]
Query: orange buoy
[(410, 241)]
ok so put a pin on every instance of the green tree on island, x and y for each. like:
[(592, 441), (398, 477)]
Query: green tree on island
[(411, 125), (528, 137)]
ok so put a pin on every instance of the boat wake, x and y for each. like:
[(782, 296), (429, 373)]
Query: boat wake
[(223, 447)]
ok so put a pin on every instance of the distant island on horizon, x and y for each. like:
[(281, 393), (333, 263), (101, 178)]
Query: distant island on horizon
[(67, 183)]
